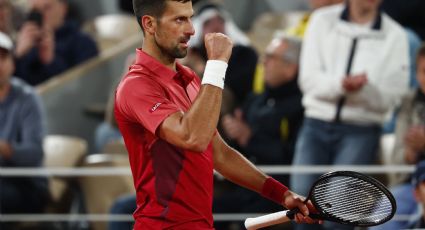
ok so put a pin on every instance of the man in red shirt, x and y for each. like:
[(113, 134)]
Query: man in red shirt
[(168, 119)]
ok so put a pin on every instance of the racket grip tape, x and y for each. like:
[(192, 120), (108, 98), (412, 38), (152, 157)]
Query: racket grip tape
[(266, 220)]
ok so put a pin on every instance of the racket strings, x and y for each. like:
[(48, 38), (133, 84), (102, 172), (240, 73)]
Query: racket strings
[(352, 200)]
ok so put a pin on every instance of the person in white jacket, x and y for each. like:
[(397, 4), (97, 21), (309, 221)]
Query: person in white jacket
[(354, 68)]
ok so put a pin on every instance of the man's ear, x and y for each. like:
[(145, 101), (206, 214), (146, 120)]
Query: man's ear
[(149, 24)]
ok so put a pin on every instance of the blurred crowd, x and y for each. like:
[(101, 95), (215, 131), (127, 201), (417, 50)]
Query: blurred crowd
[(322, 92)]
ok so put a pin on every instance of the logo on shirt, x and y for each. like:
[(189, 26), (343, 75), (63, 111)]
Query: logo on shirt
[(155, 107)]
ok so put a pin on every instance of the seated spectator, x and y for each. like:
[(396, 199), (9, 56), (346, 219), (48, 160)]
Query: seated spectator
[(410, 143), (212, 18), (418, 185), (267, 126), (21, 136), (48, 44)]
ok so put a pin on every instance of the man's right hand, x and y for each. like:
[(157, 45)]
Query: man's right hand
[(28, 37), (292, 200), (219, 46)]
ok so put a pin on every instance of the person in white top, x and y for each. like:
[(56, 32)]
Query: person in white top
[(354, 68)]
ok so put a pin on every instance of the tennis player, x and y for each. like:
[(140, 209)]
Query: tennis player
[(168, 119)]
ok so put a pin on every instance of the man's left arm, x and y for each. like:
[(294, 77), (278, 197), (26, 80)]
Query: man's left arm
[(236, 168)]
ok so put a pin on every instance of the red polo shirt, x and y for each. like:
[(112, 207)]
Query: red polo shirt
[(174, 186)]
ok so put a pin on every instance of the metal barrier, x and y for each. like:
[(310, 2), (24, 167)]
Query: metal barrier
[(271, 170), (119, 171)]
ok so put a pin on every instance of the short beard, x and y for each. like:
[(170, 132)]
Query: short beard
[(174, 53)]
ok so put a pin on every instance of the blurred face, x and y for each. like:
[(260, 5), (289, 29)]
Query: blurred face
[(5, 11), (53, 11), (277, 71), (174, 29), (420, 73), (215, 24), (316, 4), (6, 67), (365, 5)]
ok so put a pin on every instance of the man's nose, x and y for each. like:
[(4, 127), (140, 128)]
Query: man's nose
[(190, 30)]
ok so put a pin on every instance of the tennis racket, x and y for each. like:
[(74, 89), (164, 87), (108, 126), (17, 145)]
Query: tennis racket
[(345, 197)]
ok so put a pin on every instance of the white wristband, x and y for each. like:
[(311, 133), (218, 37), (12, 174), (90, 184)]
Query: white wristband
[(214, 74)]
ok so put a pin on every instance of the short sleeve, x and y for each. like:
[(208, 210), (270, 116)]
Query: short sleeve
[(145, 102)]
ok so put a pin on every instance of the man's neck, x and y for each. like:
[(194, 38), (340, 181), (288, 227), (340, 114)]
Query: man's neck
[(361, 16), (4, 91), (156, 52)]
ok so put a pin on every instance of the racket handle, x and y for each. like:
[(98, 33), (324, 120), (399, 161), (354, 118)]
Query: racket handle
[(266, 220)]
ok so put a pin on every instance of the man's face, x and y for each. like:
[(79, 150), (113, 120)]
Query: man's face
[(5, 11), (420, 73), (6, 67), (277, 71), (366, 5), (53, 11), (174, 29)]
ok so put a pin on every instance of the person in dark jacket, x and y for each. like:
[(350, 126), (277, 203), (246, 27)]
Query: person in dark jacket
[(21, 134), (213, 18), (267, 125), (266, 128), (48, 44)]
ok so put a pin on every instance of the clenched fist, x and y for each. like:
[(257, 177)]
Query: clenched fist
[(219, 46)]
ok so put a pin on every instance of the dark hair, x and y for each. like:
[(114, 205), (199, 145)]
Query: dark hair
[(153, 8)]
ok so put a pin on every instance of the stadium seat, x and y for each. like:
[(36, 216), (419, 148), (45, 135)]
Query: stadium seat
[(62, 152), (101, 191)]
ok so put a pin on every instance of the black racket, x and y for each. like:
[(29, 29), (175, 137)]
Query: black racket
[(345, 197)]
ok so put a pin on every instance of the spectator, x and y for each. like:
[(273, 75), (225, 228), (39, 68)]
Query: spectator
[(48, 44), (409, 143), (354, 68), (267, 127), (213, 18), (21, 135), (418, 184), (300, 28)]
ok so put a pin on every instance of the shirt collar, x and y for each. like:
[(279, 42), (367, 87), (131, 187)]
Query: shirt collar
[(376, 25), (160, 70)]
